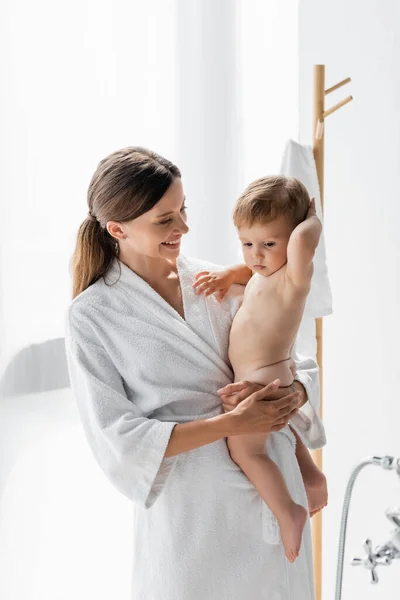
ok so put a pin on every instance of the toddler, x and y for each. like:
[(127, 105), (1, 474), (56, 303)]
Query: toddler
[(279, 231)]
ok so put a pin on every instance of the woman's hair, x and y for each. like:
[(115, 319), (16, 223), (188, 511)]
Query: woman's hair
[(126, 184), (270, 197)]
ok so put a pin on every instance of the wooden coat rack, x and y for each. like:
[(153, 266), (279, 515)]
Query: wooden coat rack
[(320, 114)]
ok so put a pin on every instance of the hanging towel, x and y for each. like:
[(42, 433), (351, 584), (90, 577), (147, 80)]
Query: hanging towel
[(298, 161)]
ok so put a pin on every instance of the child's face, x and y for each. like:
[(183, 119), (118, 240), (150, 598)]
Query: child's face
[(264, 245)]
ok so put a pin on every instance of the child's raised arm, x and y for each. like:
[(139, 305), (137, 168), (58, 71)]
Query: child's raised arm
[(301, 248)]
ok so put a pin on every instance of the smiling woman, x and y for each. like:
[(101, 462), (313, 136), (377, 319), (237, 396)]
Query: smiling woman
[(111, 228), (147, 356), (156, 233)]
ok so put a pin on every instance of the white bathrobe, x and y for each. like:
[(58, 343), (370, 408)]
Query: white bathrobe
[(137, 368)]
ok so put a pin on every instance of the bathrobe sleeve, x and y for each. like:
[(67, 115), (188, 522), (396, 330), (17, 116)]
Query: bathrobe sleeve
[(307, 422), (128, 447)]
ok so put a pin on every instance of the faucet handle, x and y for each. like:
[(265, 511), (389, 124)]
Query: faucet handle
[(393, 514), (369, 562), (374, 576)]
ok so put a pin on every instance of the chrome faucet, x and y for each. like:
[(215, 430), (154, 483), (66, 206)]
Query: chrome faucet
[(381, 555)]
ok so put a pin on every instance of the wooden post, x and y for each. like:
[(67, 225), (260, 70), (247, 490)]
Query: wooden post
[(318, 150), (318, 137)]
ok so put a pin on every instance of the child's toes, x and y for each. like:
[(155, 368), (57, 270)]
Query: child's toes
[(290, 555)]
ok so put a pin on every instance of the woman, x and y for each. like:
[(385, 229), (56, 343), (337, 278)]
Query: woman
[(146, 358)]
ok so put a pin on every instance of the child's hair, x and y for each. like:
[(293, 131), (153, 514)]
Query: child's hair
[(126, 184), (268, 198)]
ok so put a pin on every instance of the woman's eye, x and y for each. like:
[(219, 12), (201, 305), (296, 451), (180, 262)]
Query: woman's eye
[(183, 209), (247, 244)]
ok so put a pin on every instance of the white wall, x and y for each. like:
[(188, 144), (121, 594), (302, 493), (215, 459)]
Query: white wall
[(231, 124), (82, 80), (360, 39)]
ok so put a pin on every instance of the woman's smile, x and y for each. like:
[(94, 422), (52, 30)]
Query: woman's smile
[(172, 245)]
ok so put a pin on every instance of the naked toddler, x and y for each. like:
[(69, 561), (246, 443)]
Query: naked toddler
[(279, 231)]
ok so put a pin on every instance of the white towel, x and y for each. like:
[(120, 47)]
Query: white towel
[(298, 161)]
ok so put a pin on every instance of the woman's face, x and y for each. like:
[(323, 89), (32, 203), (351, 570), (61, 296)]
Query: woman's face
[(157, 233)]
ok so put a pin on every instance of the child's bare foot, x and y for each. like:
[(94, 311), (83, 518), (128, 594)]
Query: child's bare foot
[(317, 492), (291, 526)]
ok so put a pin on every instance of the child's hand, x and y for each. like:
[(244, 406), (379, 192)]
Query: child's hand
[(311, 209), (217, 282)]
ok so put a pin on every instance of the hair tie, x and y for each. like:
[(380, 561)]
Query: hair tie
[(91, 216)]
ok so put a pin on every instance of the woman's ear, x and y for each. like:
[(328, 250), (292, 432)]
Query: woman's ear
[(115, 230)]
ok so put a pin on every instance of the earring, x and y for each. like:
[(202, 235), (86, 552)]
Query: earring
[(116, 248)]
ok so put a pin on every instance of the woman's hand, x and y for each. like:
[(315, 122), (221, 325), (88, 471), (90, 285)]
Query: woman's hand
[(255, 415), (216, 282), (233, 393)]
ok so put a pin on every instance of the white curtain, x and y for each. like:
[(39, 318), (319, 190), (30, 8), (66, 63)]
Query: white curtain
[(212, 85)]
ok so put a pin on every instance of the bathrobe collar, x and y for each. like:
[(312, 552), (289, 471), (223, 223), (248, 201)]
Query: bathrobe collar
[(203, 316)]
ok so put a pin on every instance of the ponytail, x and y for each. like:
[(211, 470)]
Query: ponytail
[(94, 253)]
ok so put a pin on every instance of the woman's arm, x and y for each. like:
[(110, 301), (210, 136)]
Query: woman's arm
[(135, 452), (128, 447), (188, 436), (252, 416)]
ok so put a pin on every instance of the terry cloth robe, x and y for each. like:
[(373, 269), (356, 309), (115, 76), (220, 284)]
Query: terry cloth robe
[(137, 368)]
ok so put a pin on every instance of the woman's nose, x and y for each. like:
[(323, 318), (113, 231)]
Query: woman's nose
[(183, 228)]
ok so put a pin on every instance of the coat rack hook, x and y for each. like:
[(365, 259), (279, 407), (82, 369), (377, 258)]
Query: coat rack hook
[(337, 106), (337, 86)]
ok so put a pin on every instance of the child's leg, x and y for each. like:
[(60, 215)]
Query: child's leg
[(248, 451), (314, 480)]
